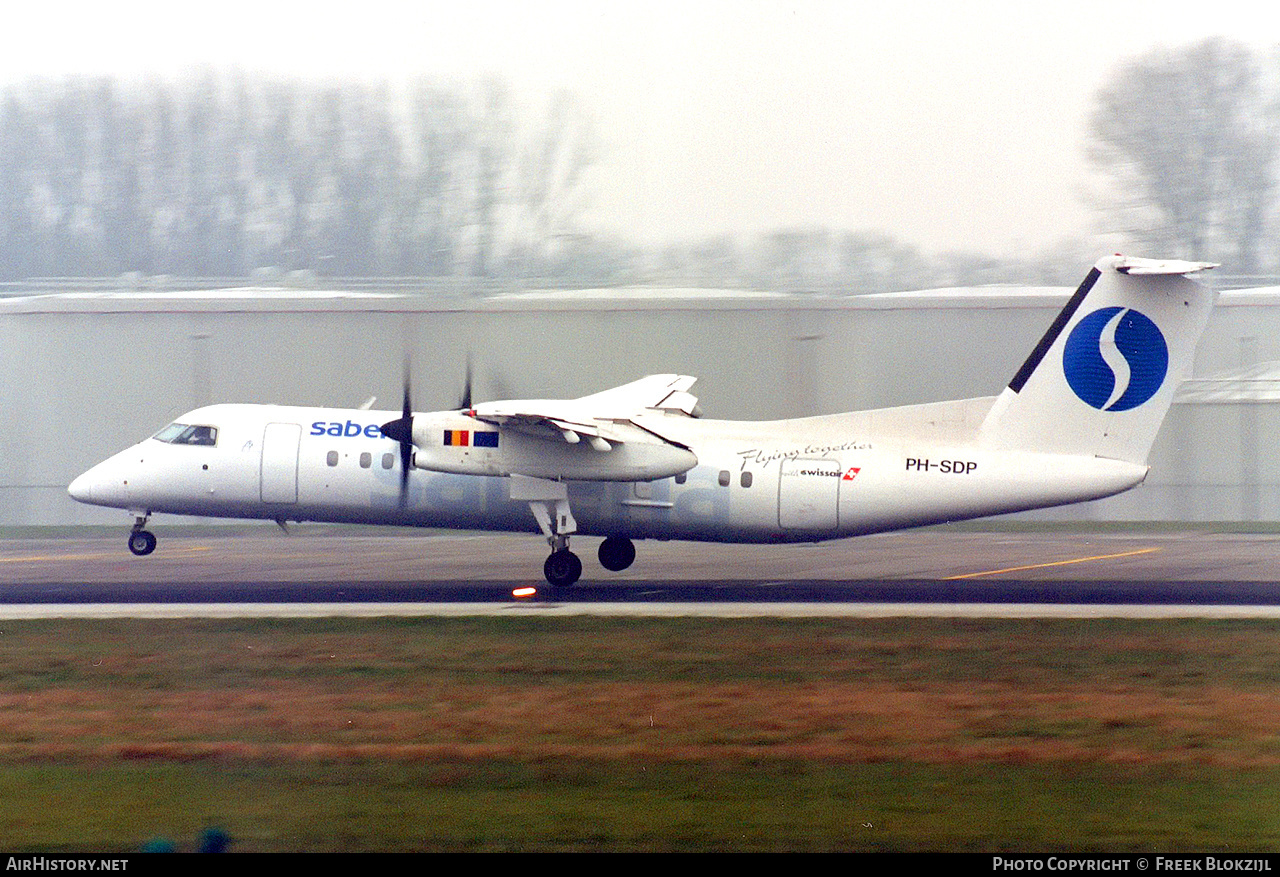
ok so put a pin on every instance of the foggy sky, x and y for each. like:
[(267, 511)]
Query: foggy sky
[(949, 126)]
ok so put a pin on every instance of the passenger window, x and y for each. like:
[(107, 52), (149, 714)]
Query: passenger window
[(724, 477), (745, 479), (388, 460), (366, 460), (332, 459)]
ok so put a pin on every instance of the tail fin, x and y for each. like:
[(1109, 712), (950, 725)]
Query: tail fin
[(1102, 378)]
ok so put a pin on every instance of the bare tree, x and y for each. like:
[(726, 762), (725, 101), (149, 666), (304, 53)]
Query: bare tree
[(1189, 138), (549, 174)]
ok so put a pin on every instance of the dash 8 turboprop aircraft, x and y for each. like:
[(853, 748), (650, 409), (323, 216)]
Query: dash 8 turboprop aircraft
[(1076, 423)]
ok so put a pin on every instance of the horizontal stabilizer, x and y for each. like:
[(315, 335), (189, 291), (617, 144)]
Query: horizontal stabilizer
[(1150, 267)]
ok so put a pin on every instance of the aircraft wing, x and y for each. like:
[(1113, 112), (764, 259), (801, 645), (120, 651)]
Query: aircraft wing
[(669, 392), (599, 417)]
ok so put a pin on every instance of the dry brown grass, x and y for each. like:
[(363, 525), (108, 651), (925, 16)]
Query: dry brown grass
[(838, 691)]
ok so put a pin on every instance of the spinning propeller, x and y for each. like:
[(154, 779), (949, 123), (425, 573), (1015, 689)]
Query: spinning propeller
[(400, 430)]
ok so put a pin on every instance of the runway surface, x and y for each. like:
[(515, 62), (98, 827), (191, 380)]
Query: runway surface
[(935, 571)]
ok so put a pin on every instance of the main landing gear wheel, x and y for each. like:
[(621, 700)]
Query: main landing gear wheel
[(562, 568), (617, 553), (142, 542)]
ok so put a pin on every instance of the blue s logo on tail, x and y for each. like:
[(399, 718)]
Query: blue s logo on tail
[(1115, 359)]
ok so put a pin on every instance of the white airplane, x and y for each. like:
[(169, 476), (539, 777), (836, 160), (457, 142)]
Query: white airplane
[(1076, 423)]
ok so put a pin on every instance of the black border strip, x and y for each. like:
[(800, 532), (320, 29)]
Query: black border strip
[(1059, 323)]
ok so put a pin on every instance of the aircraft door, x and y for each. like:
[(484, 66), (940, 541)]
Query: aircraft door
[(808, 494), (280, 462)]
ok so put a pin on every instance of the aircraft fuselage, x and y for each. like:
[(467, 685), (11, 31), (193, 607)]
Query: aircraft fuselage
[(780, 481)]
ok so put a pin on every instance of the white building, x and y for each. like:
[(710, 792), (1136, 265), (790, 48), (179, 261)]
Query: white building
[(86, 374)]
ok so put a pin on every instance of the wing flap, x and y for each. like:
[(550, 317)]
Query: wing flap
[(548, 426)]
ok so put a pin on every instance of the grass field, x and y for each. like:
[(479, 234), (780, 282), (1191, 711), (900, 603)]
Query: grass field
[(587, 734)]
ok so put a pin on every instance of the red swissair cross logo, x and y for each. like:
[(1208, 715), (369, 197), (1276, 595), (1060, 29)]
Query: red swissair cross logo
[(851, 473)]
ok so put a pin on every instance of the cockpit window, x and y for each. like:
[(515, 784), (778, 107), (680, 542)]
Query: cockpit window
[(183, 434)]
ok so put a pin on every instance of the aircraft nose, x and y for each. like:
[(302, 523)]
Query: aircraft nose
[(97, 487), (81, 489)]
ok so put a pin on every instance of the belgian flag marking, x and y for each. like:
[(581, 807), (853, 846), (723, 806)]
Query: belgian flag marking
[(461, 438)]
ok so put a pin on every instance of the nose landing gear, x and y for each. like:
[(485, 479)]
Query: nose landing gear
[(141, 541)]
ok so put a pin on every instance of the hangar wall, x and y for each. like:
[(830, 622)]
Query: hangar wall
[(88, 374)]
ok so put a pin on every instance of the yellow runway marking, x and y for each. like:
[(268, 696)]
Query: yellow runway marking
[(995, 572), (115, 555)]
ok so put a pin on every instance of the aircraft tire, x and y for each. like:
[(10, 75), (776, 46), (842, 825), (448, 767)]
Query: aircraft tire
[(617, 553), (142, 543), (562, 568)]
